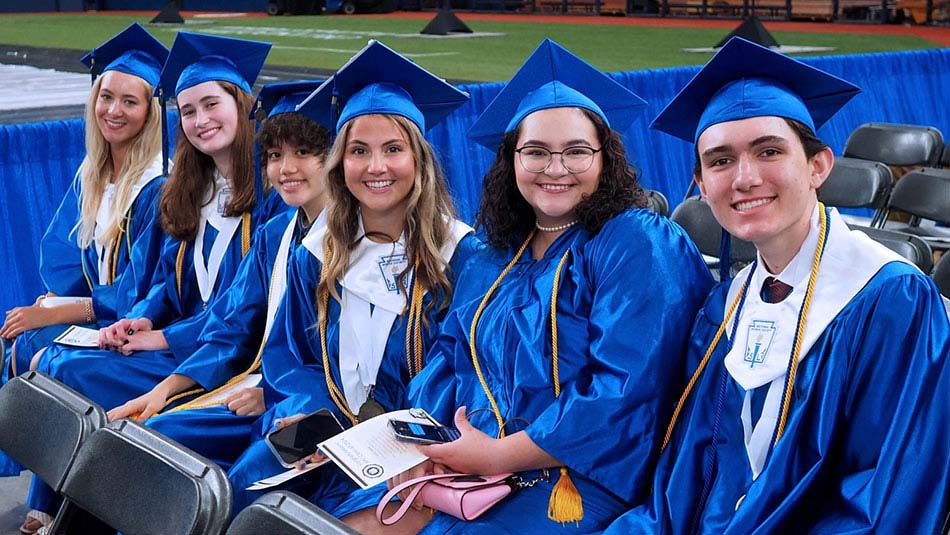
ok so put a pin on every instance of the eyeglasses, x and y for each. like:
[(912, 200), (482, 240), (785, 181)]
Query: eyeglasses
[(536, 159)]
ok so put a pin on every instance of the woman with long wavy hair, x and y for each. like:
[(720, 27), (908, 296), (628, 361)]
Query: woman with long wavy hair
[(368, 290), (568, 331)]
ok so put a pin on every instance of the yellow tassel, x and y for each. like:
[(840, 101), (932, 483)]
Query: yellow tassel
[(566, 504)]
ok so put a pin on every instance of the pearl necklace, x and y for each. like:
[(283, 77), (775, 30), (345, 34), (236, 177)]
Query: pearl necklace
[(556, 228)]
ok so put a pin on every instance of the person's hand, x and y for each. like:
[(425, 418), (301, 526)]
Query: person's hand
[(141, 408), (247, 402), (472, 453), (22, 319), (145, 340), (117, 335), (315, 457)]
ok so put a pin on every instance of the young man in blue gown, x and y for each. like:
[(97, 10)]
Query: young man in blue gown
[(823, 408)]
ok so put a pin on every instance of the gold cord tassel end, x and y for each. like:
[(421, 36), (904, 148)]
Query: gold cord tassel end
[(566, 504)]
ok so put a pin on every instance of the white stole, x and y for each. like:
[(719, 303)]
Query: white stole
[(371, 303), (212, 212), (765, 333), (104, 214)]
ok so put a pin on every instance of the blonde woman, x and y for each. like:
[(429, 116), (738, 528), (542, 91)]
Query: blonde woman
[(103, 244), (367, 292)]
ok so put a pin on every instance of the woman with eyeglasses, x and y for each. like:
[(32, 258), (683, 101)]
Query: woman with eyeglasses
[(569, 332)]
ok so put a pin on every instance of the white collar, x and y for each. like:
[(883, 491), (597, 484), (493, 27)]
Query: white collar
[(849, 261)]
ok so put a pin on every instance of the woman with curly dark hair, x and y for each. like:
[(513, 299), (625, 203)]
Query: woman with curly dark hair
[(569, 331)]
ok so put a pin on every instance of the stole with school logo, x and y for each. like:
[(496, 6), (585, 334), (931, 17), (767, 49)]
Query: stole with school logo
[(390, 267), (759, 341)]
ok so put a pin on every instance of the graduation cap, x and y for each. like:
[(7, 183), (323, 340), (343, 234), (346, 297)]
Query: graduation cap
[(378, 80), (553, 77), (132, 51), (197, 58), (747, 80), (283, 97)]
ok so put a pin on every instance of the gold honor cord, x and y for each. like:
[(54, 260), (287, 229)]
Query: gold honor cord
[(414, 325), (245, 247), (116, 243), (796, 350), (413, 332), (565, 504), (85, 272)]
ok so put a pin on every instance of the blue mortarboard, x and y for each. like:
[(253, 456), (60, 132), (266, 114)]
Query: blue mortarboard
[(553, 77), (132, 51), (380, 80), (746, 80), (284, 97), (197, 58)]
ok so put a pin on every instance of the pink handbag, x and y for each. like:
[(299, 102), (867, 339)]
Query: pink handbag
[(464, 496)]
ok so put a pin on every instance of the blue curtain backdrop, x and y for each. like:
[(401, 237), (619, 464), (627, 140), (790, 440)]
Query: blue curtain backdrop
[(37, 161)]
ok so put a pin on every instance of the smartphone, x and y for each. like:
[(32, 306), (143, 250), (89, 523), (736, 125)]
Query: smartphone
[(422, 433), (300, 439)]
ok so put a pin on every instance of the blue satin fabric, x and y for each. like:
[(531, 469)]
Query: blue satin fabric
[(627, 298), (865, 449), (294, 380), (111, 379), (229, 344), (61, 266)]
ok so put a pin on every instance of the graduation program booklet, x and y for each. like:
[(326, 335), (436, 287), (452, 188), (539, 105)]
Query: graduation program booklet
[(370, 453), (77, 336), (367, 452)]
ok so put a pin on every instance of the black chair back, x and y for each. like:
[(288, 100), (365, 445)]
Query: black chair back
[(142, 483), (657, 202), (284, 513), (909, 246), (924, 193), (43, 423), (941, 275), (855, 183), (696, 218), (895, 144)]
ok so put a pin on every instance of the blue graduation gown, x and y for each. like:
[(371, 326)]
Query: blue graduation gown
[(229, 344), (865, 449), (294, 380), (67, 270), (111, 379), (626, 300)]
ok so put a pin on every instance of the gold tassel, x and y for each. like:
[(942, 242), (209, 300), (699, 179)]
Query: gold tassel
[(566, 504)]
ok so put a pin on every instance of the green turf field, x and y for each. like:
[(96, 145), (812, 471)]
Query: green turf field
[(328, 41)]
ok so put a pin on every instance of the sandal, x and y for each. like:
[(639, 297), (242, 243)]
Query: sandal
[(35, 521)]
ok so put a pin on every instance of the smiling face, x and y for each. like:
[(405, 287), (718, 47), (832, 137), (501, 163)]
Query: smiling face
[(554, 192), (758, 181), (121, 108), (209, 118), (298, 175), (379, 166)]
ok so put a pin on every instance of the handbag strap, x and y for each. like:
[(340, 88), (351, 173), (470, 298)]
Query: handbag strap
[(417, 484)]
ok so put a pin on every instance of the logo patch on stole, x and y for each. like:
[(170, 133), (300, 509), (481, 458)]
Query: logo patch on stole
[(224, 197), (759, 341), (390, 267)]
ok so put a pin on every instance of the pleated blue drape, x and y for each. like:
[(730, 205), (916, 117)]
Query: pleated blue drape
[(37, 161)]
